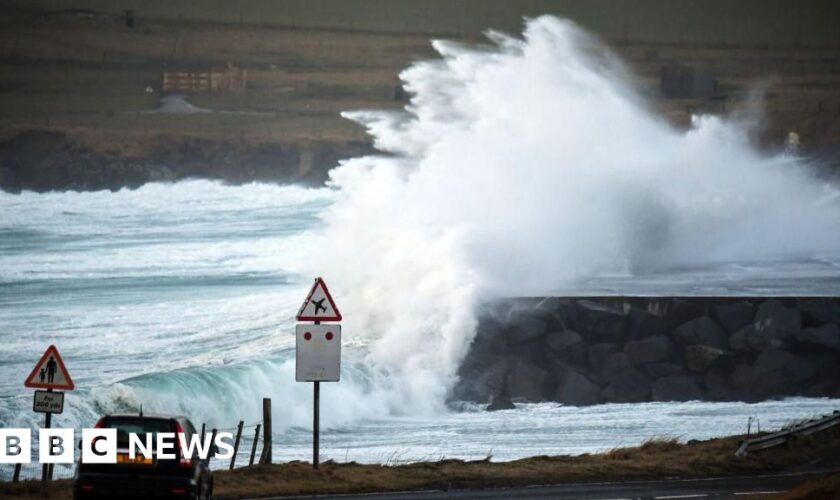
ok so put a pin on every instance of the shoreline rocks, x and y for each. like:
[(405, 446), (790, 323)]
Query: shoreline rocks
[(44, 161), (600, 350)]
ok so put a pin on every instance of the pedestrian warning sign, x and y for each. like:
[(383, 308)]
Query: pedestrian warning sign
[(319, 305), (50, 373)]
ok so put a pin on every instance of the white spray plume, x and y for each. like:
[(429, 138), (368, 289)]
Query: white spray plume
[(529, 165)]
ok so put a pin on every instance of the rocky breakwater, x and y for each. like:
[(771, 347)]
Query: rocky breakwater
[(590, 351)]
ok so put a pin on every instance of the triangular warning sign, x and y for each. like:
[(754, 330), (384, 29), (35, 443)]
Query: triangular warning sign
[(319, 305), (50, 373)]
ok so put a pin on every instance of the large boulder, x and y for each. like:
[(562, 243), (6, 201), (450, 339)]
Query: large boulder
[(491, 333), (598, 321), (773, 326), (488, 344), (551, 311), (826, 336), (773, 314), (759, 336), (649, 350), (820, 311), (629, 386), (749, 384), (774, 373), (827, 368), (701, 331), (659, 370), (641, 324), (525, 327), (790, 366), (717, 386), (526, 382), (699, 358), (735, 316), (598, 354), (744, 378), (615, 363), (500, 401), (483, 385), (676, 388), (548, 305), (567, 346), (681, 311), (576, 390)]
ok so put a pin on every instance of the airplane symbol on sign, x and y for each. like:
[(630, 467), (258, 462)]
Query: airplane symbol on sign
[(322, 309)]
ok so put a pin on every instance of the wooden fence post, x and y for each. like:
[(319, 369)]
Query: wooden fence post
[(254, 446), (236, 443), (265, 456), (212, 447)]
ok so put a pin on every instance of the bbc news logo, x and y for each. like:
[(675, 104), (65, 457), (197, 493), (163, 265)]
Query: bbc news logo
[(99, 446)]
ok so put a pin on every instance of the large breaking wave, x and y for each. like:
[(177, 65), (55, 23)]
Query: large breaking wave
[(529, 164)]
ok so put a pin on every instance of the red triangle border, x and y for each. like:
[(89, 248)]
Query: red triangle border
[(337, 317), (54, 351)]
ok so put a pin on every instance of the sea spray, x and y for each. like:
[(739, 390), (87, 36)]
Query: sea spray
[(529, 165)]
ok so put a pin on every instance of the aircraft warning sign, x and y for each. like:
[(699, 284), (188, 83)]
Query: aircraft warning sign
[(319, 305)]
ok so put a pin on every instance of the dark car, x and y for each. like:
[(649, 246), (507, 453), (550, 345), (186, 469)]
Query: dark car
[(145, 477)]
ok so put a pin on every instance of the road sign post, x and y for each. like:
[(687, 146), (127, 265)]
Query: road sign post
[(45, 472), (318, 351), (316, 424), (50, 374)]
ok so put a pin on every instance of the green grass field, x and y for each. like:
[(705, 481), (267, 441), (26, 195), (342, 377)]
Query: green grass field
[(87, 75)]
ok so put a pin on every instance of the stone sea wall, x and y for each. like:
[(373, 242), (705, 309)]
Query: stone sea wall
[(594, 350)]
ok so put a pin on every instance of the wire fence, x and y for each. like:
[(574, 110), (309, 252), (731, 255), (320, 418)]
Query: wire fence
[(245, 445)]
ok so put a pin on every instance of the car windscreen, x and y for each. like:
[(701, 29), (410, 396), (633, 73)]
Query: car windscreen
[(138, 425)]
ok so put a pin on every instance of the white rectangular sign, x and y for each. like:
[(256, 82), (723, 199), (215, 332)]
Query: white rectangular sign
[(318, 353), (48, 402)]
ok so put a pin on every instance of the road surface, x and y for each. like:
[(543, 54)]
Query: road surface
[(673, 489)]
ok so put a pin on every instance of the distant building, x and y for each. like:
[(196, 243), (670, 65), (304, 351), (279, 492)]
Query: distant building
[(231, 79)]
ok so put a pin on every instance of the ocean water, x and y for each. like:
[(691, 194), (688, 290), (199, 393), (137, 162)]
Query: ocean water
[(181, 298), (527, 167)]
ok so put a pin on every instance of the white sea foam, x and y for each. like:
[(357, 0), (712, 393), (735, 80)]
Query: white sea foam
[(529, 166)]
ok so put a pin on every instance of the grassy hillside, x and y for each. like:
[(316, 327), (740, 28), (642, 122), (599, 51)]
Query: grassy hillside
[(84, 74)]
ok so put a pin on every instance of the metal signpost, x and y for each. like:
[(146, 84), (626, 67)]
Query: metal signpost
[(50, 374), (318, 349)]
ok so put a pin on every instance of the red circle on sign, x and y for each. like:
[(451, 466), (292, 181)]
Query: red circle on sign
[(329, 336), (307, 336)]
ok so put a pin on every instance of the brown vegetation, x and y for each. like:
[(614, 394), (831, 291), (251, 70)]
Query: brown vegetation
[(826, 488), (657, 458)]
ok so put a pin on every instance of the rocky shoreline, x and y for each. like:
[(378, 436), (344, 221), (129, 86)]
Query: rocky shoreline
[(597, 350), (43, 161)]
